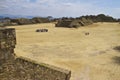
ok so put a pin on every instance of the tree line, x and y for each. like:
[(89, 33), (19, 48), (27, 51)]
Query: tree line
[(23, 21), (94, 18)]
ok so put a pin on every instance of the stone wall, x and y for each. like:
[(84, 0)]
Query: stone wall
[(26, 69), (7, 43), (20, 68), (74, 23)]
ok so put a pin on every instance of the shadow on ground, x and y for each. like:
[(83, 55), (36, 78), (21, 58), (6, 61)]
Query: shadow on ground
[(116, 60), (117, 48)]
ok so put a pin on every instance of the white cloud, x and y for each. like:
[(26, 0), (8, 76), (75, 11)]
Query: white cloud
[(55, 8)]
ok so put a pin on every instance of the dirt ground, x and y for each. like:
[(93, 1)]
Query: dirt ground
[(89, 57)]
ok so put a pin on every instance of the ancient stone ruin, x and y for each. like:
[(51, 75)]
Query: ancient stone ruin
[(74, 23), (20, 68), (68, 23), (42, 30)]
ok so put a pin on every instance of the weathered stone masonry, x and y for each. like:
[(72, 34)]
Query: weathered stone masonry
[(20, 68)]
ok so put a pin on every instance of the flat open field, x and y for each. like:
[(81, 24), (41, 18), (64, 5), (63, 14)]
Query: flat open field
[(89, 57)]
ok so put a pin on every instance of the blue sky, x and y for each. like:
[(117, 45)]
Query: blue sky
[(60, 8)]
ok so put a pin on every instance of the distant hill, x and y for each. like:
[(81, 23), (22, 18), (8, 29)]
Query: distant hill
[(9, 20), (15, 16)]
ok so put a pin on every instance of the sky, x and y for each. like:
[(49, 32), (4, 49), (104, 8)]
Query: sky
[(60, 8)]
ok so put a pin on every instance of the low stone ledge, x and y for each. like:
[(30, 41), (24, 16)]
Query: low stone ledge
[(43, 71)]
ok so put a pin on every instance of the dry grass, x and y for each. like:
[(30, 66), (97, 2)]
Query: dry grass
[(88, 57)]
